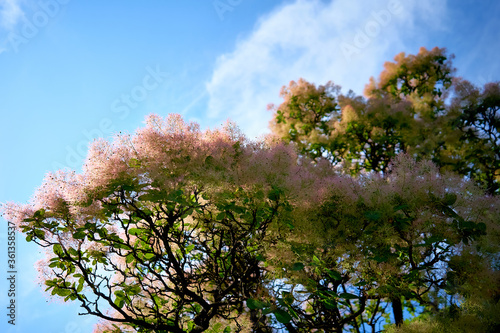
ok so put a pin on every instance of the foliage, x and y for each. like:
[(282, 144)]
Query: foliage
[(406, 237), (157, 232), (174, 229), (475, 114), (416, 106)]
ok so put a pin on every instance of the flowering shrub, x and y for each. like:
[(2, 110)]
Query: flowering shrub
[(166, 229), (174, 229)]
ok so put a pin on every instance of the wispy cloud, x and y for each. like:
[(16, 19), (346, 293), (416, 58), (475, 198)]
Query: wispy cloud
[(10, 13), (342, 40)]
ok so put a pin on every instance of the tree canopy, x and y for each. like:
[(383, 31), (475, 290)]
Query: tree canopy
[(416, 106), (356, 209)]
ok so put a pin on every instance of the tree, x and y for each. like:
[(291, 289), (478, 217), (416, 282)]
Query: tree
[(475, 114), (166, 230), (305, 118), (407, 110), (397, 238), (416, 106), (399, 113), (174, 229)]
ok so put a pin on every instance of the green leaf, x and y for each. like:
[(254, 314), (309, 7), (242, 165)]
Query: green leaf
[(73, 252), (189, 248), (255, 304), (330, 304), (282, 316), (51, 283), (348, 296), (129, 258), (63, 292), (39, 213), (79, 288), (57, 248), (149, 256), (120, 302), (81, 280), (134, 290), (135, 231), (298, 266), (334, 275), (79, 235), (40, 233), (449, 199)]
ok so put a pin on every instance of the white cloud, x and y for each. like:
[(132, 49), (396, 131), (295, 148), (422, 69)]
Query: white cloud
[(342, 40), (10, 13)]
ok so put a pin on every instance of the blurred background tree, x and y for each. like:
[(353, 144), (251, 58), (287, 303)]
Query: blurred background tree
[(416, 106)]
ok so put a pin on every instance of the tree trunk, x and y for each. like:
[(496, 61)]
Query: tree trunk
[(397, 309)]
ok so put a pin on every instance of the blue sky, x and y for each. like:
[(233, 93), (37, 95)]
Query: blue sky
[(74, 70)]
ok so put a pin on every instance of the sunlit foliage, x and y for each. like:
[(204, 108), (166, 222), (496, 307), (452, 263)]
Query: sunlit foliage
[(355, 210)]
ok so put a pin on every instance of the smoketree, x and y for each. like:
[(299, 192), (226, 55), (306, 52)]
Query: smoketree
[(417, 107), (399, 238), (347, 214), (167, 230)]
